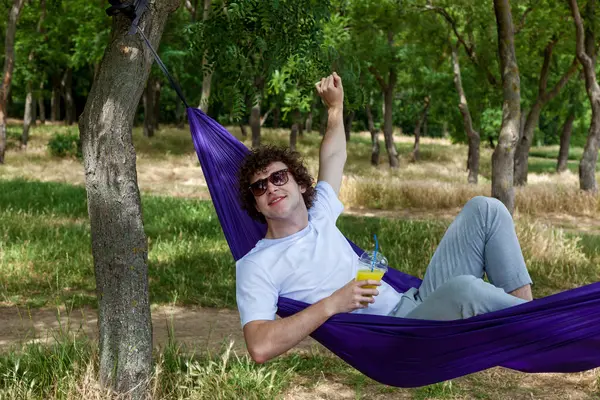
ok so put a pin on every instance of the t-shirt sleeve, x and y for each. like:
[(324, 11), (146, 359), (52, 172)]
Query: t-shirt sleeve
[(256, 295), (326, 204)]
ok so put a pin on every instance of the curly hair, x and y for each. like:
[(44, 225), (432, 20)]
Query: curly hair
[(257, 161)]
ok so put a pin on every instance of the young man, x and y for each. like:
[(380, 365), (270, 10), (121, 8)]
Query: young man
[(305, 257)]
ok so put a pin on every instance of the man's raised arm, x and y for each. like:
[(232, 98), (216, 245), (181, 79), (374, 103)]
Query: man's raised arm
[(332, 157)]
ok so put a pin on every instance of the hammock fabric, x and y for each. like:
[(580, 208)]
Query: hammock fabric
[(559, 333)]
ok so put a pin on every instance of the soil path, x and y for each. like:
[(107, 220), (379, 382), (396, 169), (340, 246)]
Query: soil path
[(198, 328)]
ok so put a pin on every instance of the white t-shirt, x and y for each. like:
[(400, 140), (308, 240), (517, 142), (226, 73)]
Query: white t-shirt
[(308, 265)]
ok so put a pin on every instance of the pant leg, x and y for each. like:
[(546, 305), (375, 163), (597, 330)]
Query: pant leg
[(481, 240), (461, 297)]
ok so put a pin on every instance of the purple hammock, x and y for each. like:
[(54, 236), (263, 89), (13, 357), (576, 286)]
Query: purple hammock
[(558, 333)]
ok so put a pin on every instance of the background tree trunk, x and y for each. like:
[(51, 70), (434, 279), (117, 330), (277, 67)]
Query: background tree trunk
[(156, 111), (374, 137), (323, 122), (309, 121), (255, 122), (420, 122), (276, 116), (294, 136), (119, 243), (243, 130), (148, 101), (28, 116), (503, 157), (42, 105), (55, 100), (565, 139), (533, 117), (587, 57), (463, 106), (67, 88), (207, 76), (388, 120), (9, 60), (349, 118)]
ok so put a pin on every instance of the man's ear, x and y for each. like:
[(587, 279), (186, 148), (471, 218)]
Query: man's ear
[(302, 189)]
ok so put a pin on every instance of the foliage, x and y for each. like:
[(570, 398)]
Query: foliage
[(65, 145)]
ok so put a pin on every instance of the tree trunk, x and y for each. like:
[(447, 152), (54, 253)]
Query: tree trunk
[(55, 100), (119, 244), (180, 115), (374, 137), (533, 117), (565, 139), (148, 100), (28, 117), (503, 156), (309, 121), (463, 106), (388, 119), (323, 122), (420, 122), (445, 132), (156, 111), (293, 136), (9, 60), (348, 124), (243, 130), (207, 74), (587, 58), (67, 87), (276, 116), (42, 105), (255, 122)]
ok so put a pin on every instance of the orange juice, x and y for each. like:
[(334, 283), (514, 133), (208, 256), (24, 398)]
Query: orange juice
[(363, 275)]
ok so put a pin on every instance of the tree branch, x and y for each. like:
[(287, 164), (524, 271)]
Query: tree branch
[(524, 17), (584, 58), (562, 81), (470, 49), (543, 82), (379, 78)]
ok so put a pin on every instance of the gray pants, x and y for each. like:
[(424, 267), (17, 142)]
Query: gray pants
[(481, 240)]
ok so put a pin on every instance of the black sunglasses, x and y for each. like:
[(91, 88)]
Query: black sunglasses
[(277, 178)]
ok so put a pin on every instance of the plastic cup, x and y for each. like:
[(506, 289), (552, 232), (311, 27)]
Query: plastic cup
[(369, 270)]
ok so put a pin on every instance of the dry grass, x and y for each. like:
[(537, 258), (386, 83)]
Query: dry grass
[(168, 165)]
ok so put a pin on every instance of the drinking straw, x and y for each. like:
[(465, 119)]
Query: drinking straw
[(375, 252)]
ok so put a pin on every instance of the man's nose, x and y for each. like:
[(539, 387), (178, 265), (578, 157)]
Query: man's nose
[(271, 187)]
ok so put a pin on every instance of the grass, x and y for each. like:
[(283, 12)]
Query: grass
[(45, 260), (45, 256), (68, 370)]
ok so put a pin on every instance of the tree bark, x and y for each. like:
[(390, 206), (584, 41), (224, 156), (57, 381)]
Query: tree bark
[(374, 137), (207, 75), (348, 124), (565, 140), (587, 58), (420, 122), (463, 106), (255, 122), (119, 244), (148, 100), (503, 156), (9, 61), (67, 88), (533, 117), (243, 130), (28, 117)]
